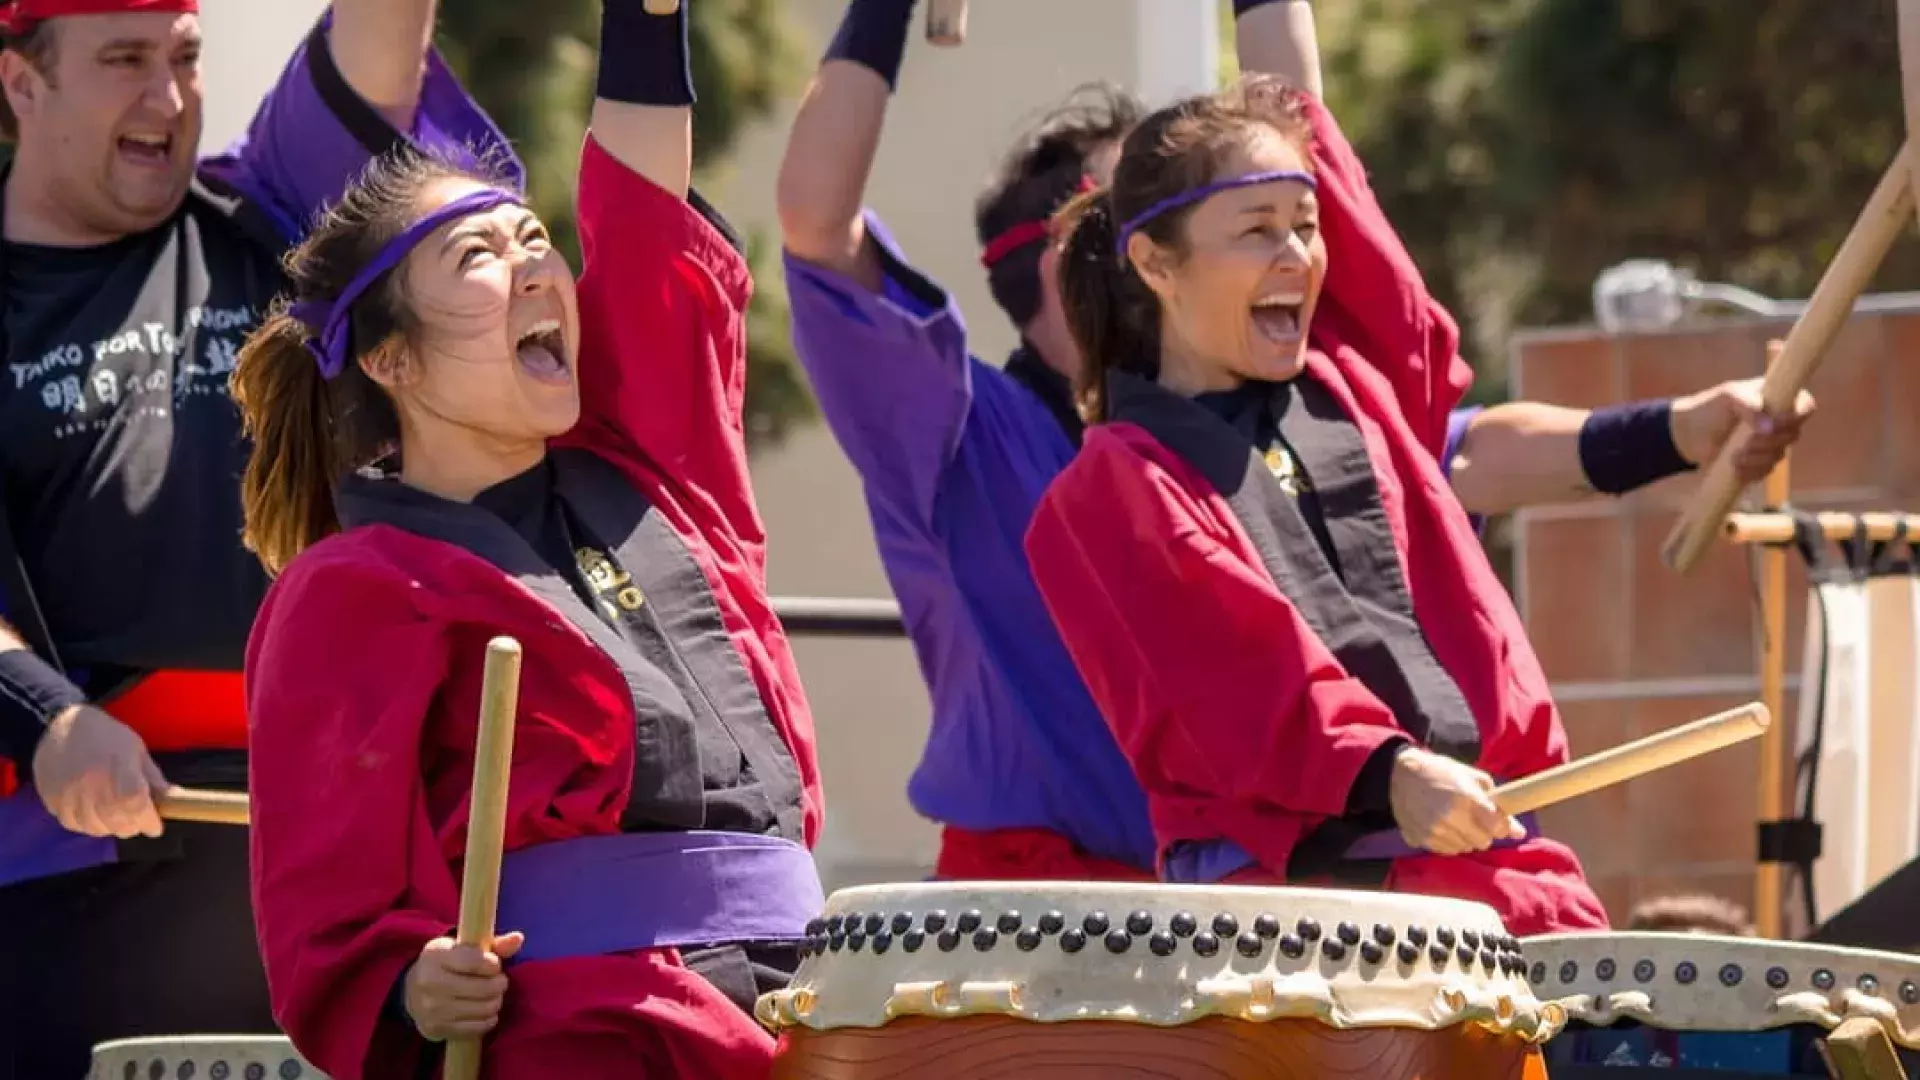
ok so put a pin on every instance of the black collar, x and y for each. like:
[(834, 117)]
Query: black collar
[(1025, 367)]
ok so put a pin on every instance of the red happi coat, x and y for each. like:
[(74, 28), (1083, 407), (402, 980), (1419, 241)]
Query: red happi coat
[(1239, 721), (364, 675)]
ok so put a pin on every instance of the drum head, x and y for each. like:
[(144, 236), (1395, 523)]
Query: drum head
[(201, 1057), (1159, 955), (1704, 982)]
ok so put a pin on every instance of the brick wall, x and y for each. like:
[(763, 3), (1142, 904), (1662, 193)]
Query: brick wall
[(1633, 648)]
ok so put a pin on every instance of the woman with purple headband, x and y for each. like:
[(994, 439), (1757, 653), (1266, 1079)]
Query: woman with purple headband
[(455, 439), (1255, 560)]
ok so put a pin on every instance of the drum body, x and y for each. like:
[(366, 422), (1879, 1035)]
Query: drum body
[(1055, 980), (1676, 1006), (201, 1057)]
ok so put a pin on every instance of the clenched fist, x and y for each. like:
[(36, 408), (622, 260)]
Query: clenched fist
[(95, 776), (456, 990), (1445, 807)]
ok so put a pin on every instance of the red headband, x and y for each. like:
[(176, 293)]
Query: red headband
[(1026, 233), (19, 17)]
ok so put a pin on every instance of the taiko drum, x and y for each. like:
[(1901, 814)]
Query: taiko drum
[(1047, 981)]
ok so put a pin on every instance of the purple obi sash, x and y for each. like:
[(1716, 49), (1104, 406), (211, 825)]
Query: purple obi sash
[(1204, 862), (597, 895), (34, 845)]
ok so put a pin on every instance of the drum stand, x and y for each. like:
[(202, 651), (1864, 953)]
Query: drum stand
[(1860, 1050), (1773, 531), (1768, 894)]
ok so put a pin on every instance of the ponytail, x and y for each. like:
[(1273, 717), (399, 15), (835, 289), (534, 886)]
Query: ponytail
[(1113, 316), (306, 432)]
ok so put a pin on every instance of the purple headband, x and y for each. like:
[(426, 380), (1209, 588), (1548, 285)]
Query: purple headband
[(329, 321), (1194, 195)]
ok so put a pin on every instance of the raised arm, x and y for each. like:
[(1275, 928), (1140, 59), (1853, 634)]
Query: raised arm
[(883, 345), (364, 82), (643, 101), (664, 284), (381, 48), (1374, 300), (1277, 37), (831, 146)]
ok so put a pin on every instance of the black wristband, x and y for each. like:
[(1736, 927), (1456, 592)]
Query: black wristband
[(396, 1004), (1372, 790), (1241, 7), (1625, 447), (873, 34), (32, 693), (643, 58)]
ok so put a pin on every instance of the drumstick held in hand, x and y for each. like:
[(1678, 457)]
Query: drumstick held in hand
[(1637, 758), (486, 824), (947, 22), (1888, 214), (215, 807)]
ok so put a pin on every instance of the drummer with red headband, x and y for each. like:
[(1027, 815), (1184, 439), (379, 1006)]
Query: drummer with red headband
[(133, 271), (954, 452)]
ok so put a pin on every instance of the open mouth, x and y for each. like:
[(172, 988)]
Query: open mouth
[(1278, 318), (542, 351), (147, 149)]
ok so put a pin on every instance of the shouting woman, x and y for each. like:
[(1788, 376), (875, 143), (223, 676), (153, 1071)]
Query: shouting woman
[(1255, 559), (455, 439)]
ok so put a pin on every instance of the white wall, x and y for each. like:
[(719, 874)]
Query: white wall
[(247, 44)]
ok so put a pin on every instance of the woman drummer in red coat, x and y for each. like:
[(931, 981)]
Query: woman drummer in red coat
[(456, 440), (1256, 560)]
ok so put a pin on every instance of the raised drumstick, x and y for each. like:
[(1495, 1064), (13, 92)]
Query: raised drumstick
[(486, 824), (662, 7), (216, 807), (1637, 758), (947, 22), (1888, 214)]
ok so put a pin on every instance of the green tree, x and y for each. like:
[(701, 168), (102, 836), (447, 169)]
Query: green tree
[(1740, 140), (531, 66), (1522, 146)]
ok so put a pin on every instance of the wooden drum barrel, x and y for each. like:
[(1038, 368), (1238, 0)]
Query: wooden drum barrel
[(1056, 980), (1683, 1005), (201, 1057)]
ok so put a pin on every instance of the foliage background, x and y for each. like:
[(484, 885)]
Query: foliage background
[(1520, 146)]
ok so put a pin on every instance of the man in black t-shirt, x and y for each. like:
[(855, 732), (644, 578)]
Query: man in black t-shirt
[(132, 271)]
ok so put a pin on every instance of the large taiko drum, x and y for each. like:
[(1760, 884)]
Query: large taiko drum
[(1699, 1005), (201, 1057), (1048, 981)]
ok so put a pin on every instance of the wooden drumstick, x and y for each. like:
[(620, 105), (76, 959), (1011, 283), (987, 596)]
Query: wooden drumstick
[(1909, 30), (215, 807), (1889, 212), (947, 22), (1628, 760), (486, 824), (662, 7)]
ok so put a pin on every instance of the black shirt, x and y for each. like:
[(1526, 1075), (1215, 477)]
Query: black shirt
[(120, 452)]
